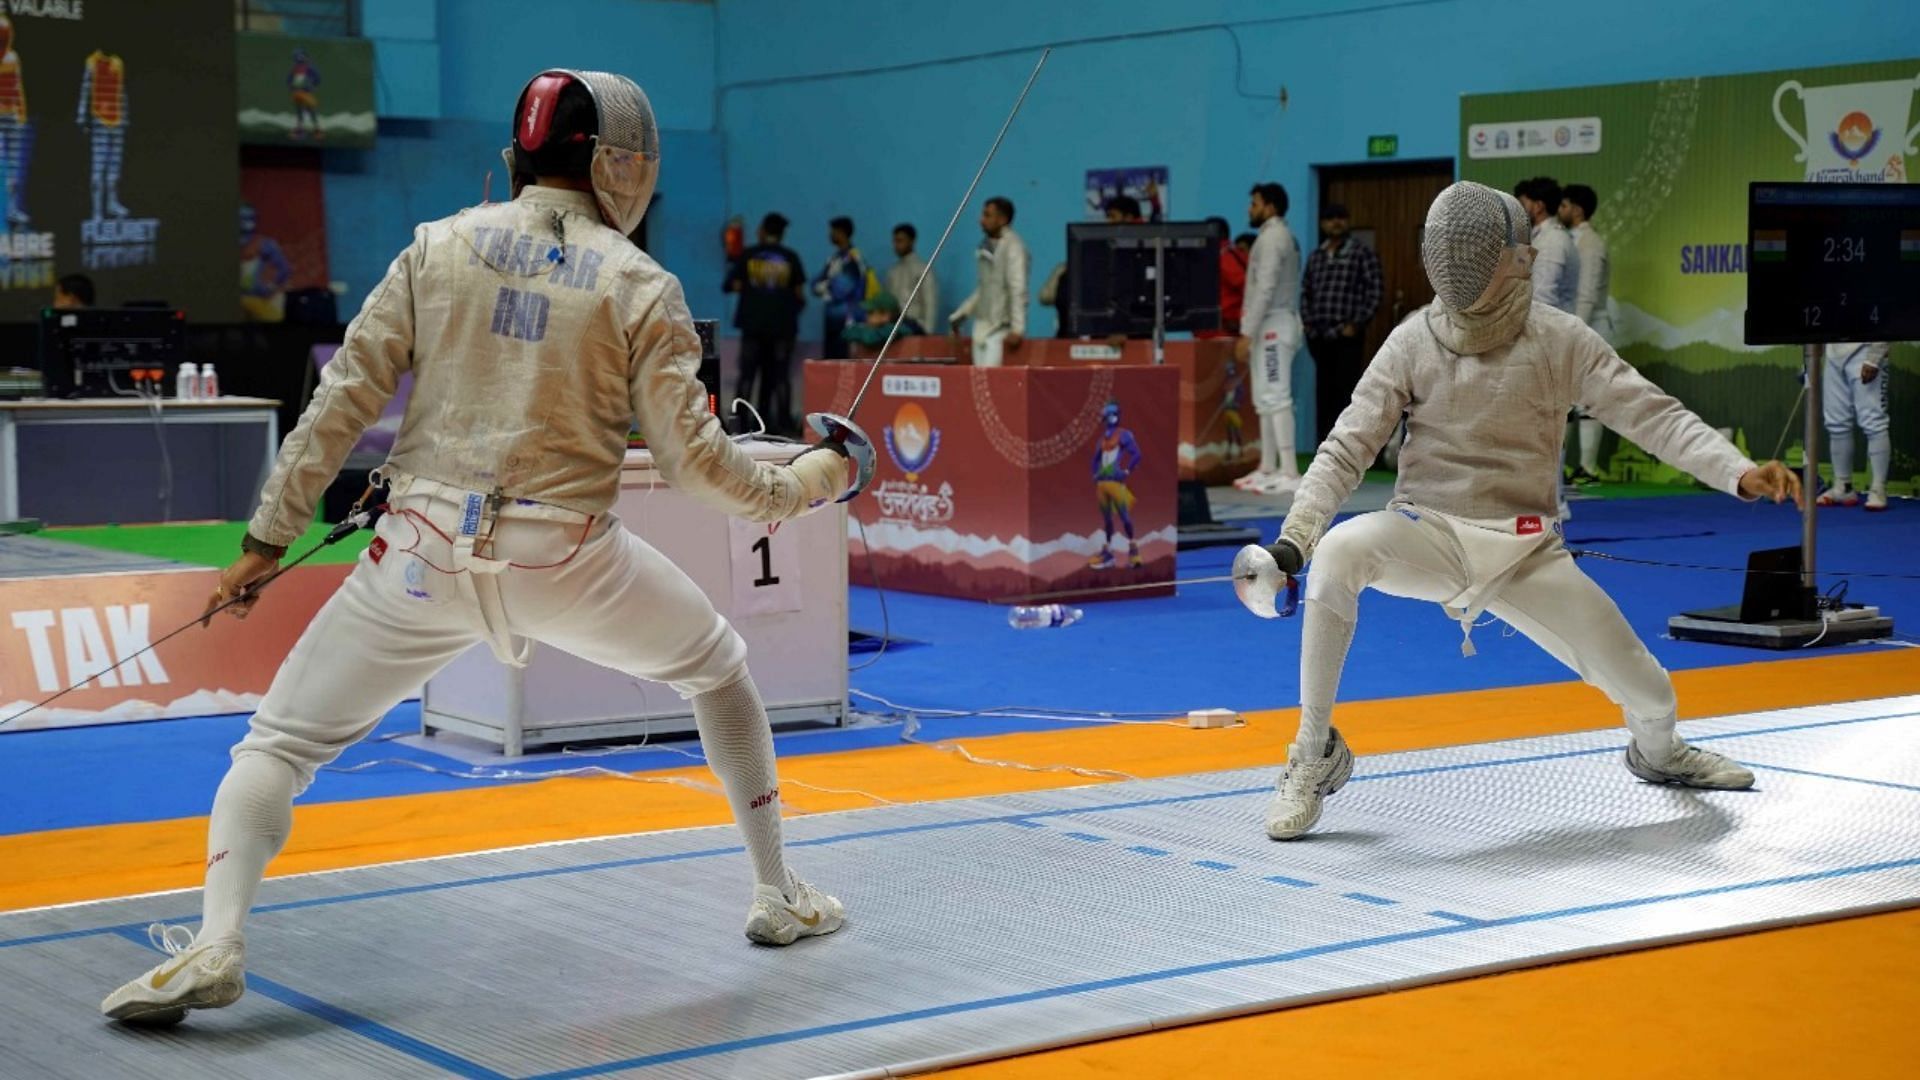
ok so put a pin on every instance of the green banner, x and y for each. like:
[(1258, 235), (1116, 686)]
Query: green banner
[(305, 91), (1671, 162)]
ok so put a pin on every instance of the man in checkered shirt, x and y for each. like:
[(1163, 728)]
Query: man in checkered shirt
[(1338, 296)]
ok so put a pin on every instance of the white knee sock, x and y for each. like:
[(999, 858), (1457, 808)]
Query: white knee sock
[(1324, 641), (738, 742), (1269, 444), (252, 814), (1840, 448), (1590, 445), (1289, 461), (1879, 457)]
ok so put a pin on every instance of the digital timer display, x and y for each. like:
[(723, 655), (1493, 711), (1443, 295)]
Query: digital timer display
[(1833, 262)]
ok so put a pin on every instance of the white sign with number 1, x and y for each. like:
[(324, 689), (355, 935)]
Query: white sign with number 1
[(766, 569)]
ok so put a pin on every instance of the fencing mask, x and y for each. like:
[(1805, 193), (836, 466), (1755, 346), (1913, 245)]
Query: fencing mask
[(592, 125), (1478, 258)]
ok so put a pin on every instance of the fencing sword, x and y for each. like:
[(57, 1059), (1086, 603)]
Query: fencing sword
[(357, 520), (841, 428)]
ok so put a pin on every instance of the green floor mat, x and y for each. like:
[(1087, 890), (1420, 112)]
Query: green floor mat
[(213, 544)]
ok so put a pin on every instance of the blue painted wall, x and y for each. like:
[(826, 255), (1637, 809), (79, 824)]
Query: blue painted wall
[(1193, 86), (432, 158)]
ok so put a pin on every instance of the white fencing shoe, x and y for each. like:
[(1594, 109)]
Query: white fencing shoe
[(781, 918), (195, 975), (1252, 481), (1304, 783), (1690, 766), (1877, 499)]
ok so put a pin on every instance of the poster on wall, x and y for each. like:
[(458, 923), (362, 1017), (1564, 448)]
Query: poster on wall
[(297, 91), (114, 152), (1146, 183), (1671, 174)]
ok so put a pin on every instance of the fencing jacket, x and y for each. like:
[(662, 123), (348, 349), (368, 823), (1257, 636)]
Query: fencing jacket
[(536, 335)]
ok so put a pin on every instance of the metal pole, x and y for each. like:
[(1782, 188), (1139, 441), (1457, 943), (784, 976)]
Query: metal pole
[(1815, 361), (1160, 299)]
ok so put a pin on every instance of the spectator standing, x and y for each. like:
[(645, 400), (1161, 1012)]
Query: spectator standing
[(1338, 297), (772, 287), (924, 311), (1577, 206), (1233, 278), (843, 285), (998, 305)]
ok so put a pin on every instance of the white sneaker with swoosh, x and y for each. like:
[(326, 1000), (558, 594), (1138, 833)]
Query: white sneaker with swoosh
[(782, 918), (195, 975)]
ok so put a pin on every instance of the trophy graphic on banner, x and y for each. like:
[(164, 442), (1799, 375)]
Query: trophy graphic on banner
[(1855, 132)]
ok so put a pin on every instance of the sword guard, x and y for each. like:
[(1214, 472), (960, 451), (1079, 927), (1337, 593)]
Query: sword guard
[(843, 432), (1264, 588)]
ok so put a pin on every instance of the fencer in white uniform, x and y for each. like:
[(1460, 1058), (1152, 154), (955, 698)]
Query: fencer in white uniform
[(1272, 328), (1486, 375), (536, 334), (1590, 304), (998, 304), (1854, 393)]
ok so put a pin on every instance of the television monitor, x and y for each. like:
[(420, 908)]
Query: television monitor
[(1111, 271), (92, 351)]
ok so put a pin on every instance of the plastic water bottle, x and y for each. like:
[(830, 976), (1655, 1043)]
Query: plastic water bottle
[(186, 384), (1043, 616), (209, 382)]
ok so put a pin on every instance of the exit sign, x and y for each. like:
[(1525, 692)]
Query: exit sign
[(1383, 145)]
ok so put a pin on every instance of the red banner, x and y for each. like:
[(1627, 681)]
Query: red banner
[(1219, 433), (59, 630), (999, 482)]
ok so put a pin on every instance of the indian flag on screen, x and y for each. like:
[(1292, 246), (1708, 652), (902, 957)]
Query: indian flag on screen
[(1910, 245), (1769, 245)]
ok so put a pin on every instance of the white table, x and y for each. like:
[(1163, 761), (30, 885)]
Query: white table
[(786, 593), (82, 478)]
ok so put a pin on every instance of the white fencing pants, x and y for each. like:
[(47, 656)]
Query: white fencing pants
[(1845, 403), (397, 620), (1278, 342), (989, 348), (1544, 596), (400, 616)]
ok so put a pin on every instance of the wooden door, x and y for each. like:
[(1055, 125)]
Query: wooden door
[(1388, 204)]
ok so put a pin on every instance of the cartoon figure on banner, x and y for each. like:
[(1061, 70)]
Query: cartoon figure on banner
[(1230, 410), (1115, 457), (1856, 133), (302, 81), (103, 115), (16, 129), (110, 237), (265, 271)]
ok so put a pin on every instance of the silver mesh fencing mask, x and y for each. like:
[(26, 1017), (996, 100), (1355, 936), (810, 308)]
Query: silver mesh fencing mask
[(625, 147)]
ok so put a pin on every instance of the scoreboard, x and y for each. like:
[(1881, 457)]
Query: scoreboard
[(1833, 262)]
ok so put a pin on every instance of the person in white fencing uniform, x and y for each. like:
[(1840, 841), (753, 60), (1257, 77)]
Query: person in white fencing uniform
[(998, 303), (1853, 393), (1486, 374), (535, 333), (1577, 206), (1556, 261), (1270, 324)]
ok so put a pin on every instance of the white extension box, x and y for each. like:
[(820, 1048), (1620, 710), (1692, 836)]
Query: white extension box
[(785, 590)]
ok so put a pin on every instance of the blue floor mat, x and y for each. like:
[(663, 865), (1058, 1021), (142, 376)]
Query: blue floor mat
[(1162, 655)]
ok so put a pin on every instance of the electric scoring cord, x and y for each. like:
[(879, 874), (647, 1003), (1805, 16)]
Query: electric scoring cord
[(1582, 553), (886, 620), (166, 458), (153, 405), (913, 724)]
